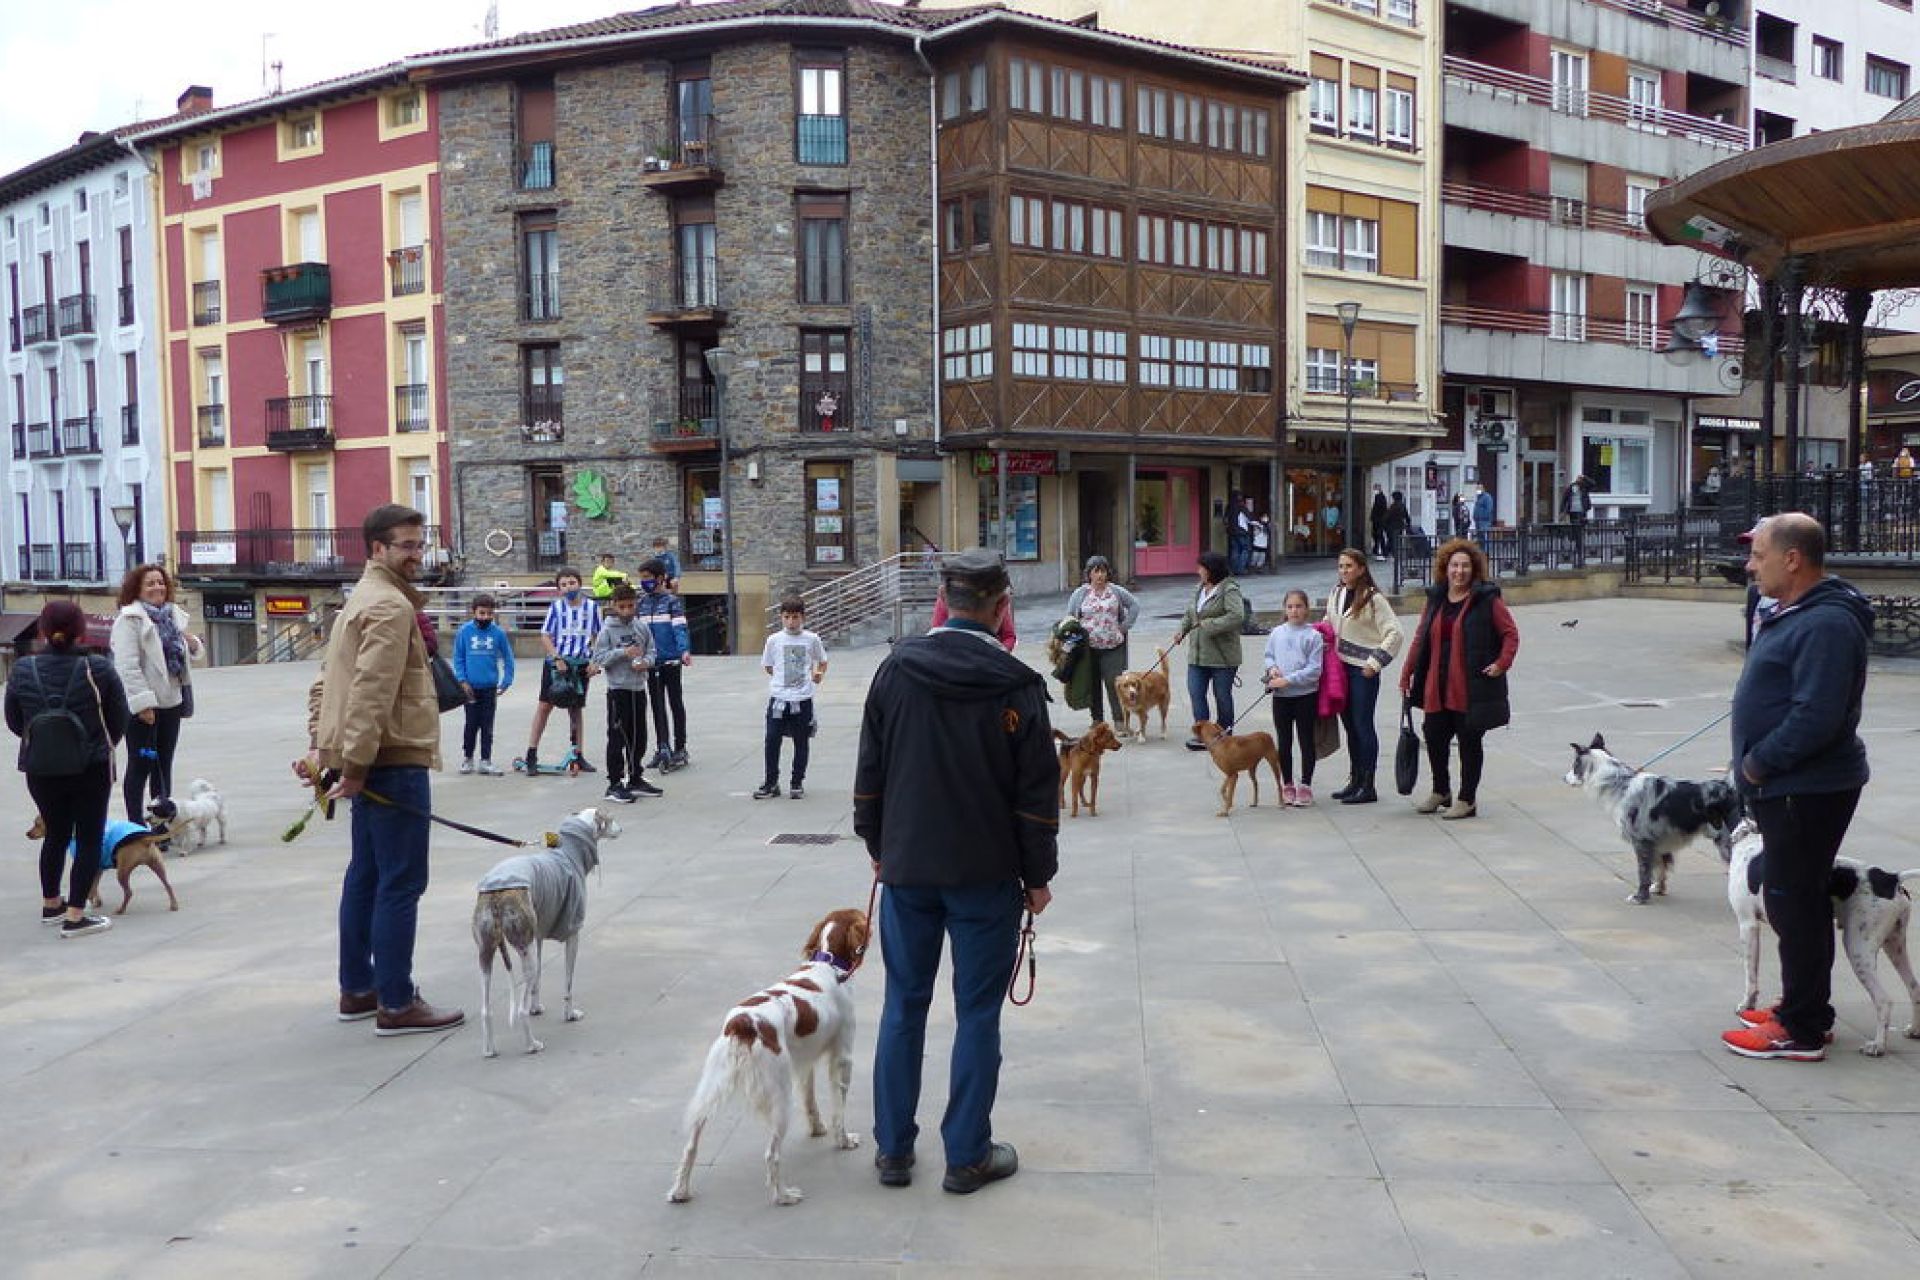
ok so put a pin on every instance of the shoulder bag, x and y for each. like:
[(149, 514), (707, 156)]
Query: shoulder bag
[(1406, 752)]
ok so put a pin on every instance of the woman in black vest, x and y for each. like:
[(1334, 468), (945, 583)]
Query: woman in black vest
[(72, 794), (1457, 671)]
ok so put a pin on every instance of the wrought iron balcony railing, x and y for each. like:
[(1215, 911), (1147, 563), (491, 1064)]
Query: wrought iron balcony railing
[(212, 421), (322, 554), (822, 140), (76, 315), (42, 440), (206, 302), (129, 424), (36, 324), (19, 441), (299, 424), (125, 294), (679, 143), (410, 407), (407, 269), (80, 562), (80, 435)]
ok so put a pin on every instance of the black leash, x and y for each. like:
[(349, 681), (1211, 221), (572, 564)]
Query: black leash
[(1264, 694), (549, 840)]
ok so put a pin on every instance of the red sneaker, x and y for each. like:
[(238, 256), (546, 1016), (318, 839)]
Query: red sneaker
[(1771, 1041), (1761, 1017)]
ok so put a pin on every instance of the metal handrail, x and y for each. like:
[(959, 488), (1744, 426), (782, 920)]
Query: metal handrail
[(1540, 91), (886, 588)]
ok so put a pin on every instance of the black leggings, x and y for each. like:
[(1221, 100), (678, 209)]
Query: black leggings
[(150, 760), (75, 809), (1440, 729), (1294, 717), (626, 734)]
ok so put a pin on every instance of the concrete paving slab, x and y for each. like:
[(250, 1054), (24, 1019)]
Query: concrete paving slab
[(1343, 1042)]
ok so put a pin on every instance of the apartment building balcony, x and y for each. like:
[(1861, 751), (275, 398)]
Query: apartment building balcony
[(300, 424), (36, 325), (206, 302), (1530, 345), (1582, 122), (42, 440), (407, 270), (76, 315), (687, 296), (129, 424), (41, 562), (680, 156), (297, 293), (543, 417), (80, 437), (19, 441), (410, 407), (696, 428), (324, 555), (1715, 41), (1365, 390), (80, 562), (212, 422), (822, 140), (1559, 211)]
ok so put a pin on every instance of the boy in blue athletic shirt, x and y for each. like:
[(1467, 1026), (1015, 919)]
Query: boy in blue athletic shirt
[(483, 664)]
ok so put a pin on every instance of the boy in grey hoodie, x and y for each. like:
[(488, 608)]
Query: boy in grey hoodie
[(624, 650)]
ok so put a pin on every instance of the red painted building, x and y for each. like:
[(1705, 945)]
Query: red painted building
[(300, 298)]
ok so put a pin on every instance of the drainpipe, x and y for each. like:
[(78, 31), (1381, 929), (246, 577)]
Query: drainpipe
[(933, 220)]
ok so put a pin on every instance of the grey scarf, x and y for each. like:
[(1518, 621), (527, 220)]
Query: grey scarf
[(173, 644)]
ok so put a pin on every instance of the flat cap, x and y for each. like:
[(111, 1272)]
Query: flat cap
[(987, 567)]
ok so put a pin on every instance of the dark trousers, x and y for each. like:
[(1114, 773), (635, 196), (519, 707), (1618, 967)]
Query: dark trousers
[(479, 726), (75, 811), (1220, 681), (150, 750), (1363, 738), (380, 897), (1440, 729), (626, 734), (984, 923), (796, 724), (1108, 664), (1803, 835), (663, 691), (1293, 719)]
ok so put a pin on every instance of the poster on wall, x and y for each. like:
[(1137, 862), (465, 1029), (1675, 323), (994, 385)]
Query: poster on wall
[(710, 515), (830, 555), (826, 493), (557, 516), (826, 524)]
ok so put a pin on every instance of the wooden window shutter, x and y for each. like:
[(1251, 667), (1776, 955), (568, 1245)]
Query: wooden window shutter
[(1325, 68), (1323, 200), (1363, 77), (1396, 356), (1399, 239)]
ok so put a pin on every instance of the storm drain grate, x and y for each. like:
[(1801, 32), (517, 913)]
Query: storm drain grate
[(804, 837)]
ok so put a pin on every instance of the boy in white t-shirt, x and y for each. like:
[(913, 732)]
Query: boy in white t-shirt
[(796, 661)]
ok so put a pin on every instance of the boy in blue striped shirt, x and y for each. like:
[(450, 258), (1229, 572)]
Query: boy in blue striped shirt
[(572, 622)]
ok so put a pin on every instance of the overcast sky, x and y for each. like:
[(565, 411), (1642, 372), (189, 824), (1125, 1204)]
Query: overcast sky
[(73, 65)]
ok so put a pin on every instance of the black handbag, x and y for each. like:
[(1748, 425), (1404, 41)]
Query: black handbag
[(1406, 752), (446, 689)]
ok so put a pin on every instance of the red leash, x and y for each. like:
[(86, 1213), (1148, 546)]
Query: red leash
[(1033, 968)]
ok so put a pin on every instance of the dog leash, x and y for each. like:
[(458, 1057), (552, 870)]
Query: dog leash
[(548, 840), (1689, 738), (1264, 694), (1025, 952)]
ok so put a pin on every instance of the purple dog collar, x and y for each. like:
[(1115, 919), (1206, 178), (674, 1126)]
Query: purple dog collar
[(827, 958)]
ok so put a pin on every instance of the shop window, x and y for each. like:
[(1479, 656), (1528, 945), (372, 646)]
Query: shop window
[(829, 514), (1619, 466), (1019, 533)]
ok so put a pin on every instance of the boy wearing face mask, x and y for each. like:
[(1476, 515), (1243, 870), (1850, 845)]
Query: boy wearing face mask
[(660, 609), (567, 635), (483, 664)]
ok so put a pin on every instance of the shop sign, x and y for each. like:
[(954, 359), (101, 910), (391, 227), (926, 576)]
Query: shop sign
[(287, 606), (226, 608), (1717, 422), (1020, 462), (222, 552)]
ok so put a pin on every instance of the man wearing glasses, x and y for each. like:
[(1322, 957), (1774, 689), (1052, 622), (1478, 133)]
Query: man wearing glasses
[(378, 724)]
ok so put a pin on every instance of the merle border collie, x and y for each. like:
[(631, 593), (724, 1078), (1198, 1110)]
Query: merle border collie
[(1658, 816)]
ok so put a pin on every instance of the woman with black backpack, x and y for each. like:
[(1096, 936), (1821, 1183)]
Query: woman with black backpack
[(70, 711)]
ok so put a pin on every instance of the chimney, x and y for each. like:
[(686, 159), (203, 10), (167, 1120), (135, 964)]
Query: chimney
[(198, 97)]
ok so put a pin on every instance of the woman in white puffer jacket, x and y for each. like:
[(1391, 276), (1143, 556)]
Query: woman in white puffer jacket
[(153, 653)]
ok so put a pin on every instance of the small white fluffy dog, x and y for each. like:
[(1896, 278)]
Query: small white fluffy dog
[(769, 1041), (195, 817)]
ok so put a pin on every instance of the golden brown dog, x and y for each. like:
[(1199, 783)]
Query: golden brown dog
[(1140, 692), (134, 851), (1080, 765), (1234, 753)]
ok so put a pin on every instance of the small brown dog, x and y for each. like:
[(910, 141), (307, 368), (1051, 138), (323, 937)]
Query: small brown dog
[(1080, 765), (1234, 753), (1140, 692), (133, 851)]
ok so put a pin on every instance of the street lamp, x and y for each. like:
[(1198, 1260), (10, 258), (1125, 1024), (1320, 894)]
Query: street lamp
[(1349, 316), (721, 362), (123, 516)]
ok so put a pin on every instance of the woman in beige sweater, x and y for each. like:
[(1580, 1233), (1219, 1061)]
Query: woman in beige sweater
[(1367, 638)]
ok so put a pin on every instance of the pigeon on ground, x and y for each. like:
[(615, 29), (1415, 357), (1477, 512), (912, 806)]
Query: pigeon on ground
[(1571, 622)]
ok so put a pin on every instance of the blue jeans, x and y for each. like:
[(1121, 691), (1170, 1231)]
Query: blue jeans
[(380, 898), (1239, 551), (984, 923), (1220, 679), (1363, 739), (479, 725)]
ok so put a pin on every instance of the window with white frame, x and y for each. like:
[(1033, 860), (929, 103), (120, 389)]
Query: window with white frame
[(1186, 242), (1069, 227), (1886, 78), (1107, 240), (1189, 362), (1030, 350), (1256, 368), (1568, 305), (1398, 129), (1643, 99), (1642, 305), (1365, 372), (1359, 244), (1363, 111), (1223, 366), (1109, 355), (1151, 242), (1323, 239), (967, 352), (1619, 462), (1638, 189), (1323, 369), (1156, 360), (1150, 112), (1829, 58), (1186, 117), (1323, 105), (1253, 131), (1069, 353), (1401, 11), (1027, 221), (1026, 83), (1253, 252), (1069, 100), (1105, 104)]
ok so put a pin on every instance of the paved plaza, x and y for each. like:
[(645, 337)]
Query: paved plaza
[(1342, 1042)]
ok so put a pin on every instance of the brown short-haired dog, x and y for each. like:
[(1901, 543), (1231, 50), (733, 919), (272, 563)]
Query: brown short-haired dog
[(141, 850), (1234, 753), (1140, 692), (1080, 766)]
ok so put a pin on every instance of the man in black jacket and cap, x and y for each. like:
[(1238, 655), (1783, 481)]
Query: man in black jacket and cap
[(957, 795)]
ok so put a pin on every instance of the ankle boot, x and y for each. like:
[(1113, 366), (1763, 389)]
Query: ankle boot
[(1363, 792), (1353, 785)]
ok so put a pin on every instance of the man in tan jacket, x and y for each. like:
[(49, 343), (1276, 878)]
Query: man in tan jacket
[(379, 726)]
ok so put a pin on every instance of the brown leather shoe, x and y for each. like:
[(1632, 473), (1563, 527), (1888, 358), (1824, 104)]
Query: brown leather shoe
[(416, 1018), (355, 1008)]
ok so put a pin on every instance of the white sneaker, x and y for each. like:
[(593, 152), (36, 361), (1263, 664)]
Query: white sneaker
[(487, 769), (466, 766)]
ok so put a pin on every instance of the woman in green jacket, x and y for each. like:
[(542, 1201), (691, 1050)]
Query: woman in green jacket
[(1213, 621)]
